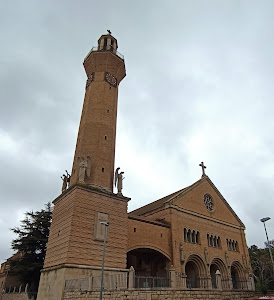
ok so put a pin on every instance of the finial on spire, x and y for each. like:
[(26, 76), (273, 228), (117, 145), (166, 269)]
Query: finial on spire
[(109, 32), (203, 168)]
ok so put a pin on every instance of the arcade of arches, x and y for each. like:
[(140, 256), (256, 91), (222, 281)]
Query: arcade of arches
[(198, 274)]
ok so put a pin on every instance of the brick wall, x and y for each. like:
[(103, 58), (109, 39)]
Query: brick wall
[(145, 235), (71, 238)]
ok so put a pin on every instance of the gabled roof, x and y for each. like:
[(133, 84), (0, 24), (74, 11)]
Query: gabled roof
[(158, 204)]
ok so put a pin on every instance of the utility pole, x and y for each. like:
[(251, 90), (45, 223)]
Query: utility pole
[(106, 224)]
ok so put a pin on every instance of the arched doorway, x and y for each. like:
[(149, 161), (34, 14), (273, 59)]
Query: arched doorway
[(213, 270), (217, 264), (237, 276), (192, 275), (195, 271), (148, 262)]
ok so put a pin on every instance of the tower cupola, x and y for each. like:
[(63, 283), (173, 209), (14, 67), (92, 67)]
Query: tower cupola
[(107, 43)]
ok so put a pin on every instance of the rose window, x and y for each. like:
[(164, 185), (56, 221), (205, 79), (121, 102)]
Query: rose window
[(208, 202)]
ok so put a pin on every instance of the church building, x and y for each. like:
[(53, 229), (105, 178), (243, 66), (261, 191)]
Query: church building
[(192, 238)]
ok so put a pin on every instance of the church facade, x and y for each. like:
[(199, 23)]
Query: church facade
[(195, 232), (192, 235)]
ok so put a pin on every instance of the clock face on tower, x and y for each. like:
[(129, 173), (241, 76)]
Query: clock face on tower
[(109, 78)]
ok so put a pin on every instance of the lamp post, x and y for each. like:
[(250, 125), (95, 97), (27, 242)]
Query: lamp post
[(270, 252), (106, 224)]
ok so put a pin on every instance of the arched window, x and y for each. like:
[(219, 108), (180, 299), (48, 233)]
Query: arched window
[(211, 241), (230, 245), (218, 242), (236, 246), (193, 237), (198, 237), (214, 241), (189, 235)]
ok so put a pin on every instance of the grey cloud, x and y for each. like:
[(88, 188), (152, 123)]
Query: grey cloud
[(198, 87)]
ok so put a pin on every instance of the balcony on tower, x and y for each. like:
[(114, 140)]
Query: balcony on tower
[(106, 43)]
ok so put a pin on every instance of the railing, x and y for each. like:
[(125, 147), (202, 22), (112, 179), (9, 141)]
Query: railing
[(180, 279), (242, 283), (226, 283), (197, 283), (22, 289), (111, 282), (151, 282), (15, 289), (95, 49)]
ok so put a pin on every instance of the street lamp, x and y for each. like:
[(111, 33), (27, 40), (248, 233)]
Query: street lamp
[(106, 224), (270, 252)]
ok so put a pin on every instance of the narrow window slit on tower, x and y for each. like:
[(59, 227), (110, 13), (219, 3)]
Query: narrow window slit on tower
[(107, 110), (103, 169), (105, 44), (134, 229), (105, 137)]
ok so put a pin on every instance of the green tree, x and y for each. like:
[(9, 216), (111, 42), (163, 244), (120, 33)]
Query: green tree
[(32, 241), (262, 267)]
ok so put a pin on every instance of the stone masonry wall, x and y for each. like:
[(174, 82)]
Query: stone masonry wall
[(163, 295), (14, 296)]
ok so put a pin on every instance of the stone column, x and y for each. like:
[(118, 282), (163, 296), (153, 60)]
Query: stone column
[(184, 281), (218, 280), (207, 283), (90, 280), (230, 283), (251, 283), (172, 277), (131, 276)]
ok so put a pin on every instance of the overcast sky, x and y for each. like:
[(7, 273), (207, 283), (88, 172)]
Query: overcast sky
[(199, 87)]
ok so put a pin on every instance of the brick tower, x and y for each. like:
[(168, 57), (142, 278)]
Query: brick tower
[(76, 236), (96, 138)]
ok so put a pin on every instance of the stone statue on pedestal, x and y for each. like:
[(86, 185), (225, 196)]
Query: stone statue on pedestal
[(66, 180), (82, 170), (119, 181)]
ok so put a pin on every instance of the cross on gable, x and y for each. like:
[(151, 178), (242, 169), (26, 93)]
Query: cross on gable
[(203, 168)]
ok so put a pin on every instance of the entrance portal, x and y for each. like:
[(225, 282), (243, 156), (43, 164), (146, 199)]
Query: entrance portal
[(148, 262), (192, 275), (195, 270), (235, 278)]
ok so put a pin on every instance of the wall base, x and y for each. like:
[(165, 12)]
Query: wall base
[(163, 294), (52, 280)]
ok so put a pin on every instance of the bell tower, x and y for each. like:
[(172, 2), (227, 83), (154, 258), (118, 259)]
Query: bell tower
[(75, 244), (95, 149)]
